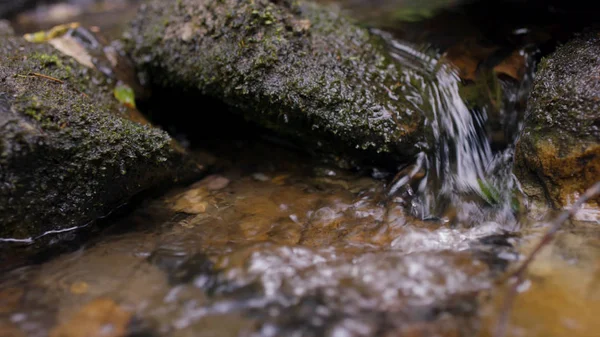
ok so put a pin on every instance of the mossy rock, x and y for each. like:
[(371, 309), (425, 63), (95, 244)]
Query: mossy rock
[(305, 71), (558, 154), (68, 153)]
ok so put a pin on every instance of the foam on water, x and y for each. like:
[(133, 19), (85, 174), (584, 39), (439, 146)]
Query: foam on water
[(457, 158)]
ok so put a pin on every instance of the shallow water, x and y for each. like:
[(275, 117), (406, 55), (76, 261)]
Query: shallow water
[(307, 251), (290, 247)]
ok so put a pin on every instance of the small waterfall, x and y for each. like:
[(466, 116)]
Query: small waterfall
[(457, 172)]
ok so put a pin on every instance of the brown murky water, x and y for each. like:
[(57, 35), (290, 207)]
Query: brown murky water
[(286, 246), (273, 243)]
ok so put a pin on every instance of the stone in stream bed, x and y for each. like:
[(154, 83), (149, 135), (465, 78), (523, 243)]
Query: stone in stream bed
[(70, 152), (305, 71), (558, 154)]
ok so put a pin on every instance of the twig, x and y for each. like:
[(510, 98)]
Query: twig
[(519, 274), (48, 77), (53, 79)]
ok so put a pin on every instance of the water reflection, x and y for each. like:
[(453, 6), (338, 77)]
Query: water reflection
[(323, 253)]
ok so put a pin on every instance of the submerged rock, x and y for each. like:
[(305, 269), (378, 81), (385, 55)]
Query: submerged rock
[(68, 152), (558, 154), (294, 67)]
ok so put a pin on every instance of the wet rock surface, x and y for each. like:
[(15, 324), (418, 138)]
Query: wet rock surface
[(297, 68), (558, 154), (69, 151)]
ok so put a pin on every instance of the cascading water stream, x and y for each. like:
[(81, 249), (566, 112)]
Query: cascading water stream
[(458, 167)]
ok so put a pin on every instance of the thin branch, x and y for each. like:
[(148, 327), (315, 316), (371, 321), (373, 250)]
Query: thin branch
[(519, 274), (48, 77), (53, 79)]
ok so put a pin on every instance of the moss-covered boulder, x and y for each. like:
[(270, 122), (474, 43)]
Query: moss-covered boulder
[(68, 152), (558, 154), (294, 67)]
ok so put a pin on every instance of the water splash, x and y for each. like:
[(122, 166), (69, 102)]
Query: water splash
[(457, 165)]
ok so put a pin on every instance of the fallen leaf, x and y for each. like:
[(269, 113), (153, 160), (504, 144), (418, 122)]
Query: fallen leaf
[(466, 57), (124, 94), (512, 66), (54, 32), (69, 46)]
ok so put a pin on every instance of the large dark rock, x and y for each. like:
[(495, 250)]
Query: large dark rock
[(68, 152), (299, 69), (558, 154)]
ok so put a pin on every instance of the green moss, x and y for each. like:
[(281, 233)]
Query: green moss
[(33, 113), (47, 60), (331, 76), (68, 155)]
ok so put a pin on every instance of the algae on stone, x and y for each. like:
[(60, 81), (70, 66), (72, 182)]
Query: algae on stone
[(302, 70), (558, 154), (68, 153)]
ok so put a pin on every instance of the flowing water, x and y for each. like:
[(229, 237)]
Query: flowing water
[(273, 243), (459, 145), (275, 247), (457, 175)]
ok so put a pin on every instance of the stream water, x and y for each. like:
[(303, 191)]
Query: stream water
[(275, 243), (457, 172)]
